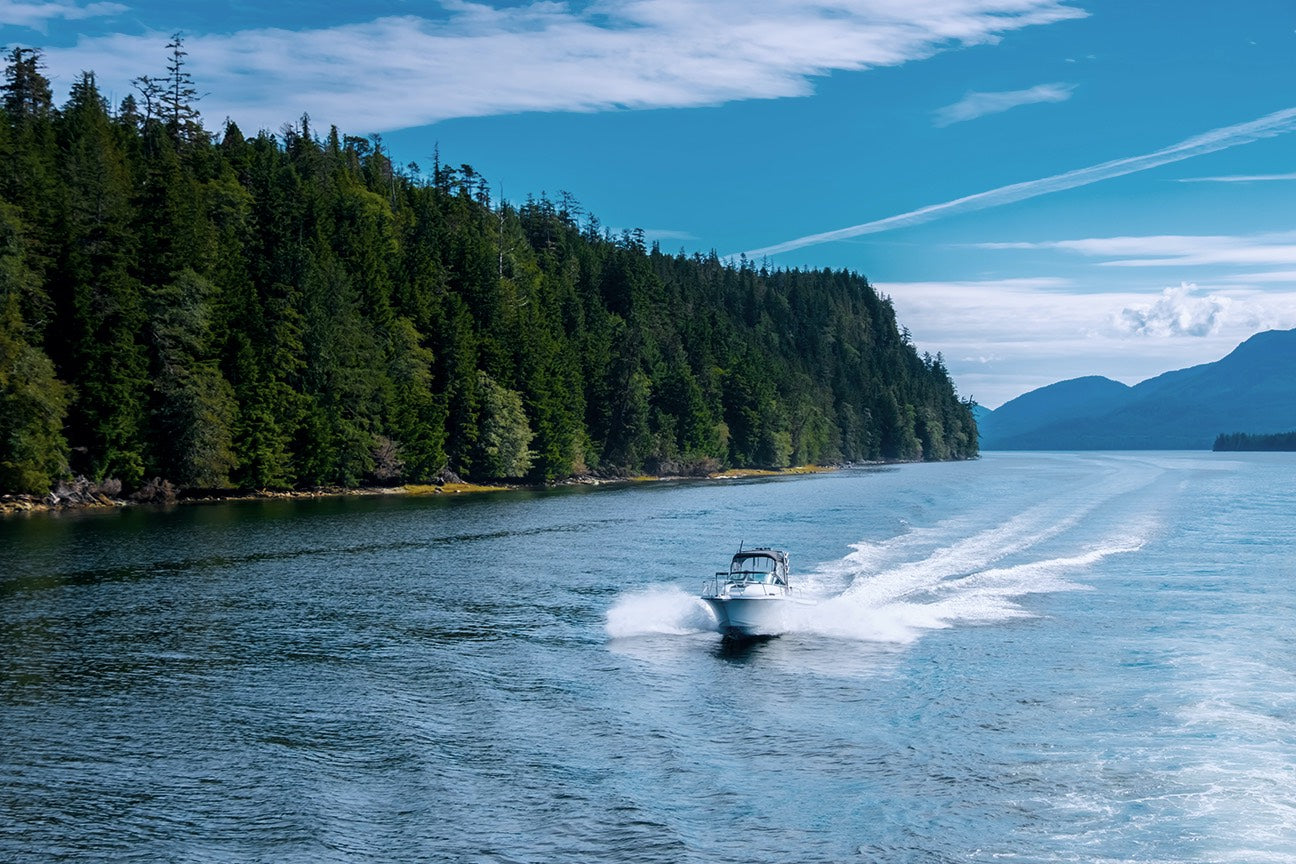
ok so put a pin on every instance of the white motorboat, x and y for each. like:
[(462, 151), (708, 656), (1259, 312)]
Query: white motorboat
[(755, 596)]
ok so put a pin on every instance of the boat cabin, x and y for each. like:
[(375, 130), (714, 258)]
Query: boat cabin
[(768, 566)]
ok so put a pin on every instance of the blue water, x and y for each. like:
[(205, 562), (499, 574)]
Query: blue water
[(1032, 657)]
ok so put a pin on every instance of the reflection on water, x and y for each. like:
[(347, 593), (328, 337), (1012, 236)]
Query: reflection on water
[(741, 650)]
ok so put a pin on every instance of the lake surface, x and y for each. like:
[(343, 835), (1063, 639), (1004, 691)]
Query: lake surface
[(1031, 657)]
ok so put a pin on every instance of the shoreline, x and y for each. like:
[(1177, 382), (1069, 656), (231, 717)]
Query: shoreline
[(15, 505)]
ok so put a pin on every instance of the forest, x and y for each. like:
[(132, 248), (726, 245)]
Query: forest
[(217, 310), (1240, 441)]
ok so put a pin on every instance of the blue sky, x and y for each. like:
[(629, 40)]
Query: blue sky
[(1046, 189)]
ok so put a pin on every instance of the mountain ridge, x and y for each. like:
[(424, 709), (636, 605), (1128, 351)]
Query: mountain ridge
[(1248, 390)]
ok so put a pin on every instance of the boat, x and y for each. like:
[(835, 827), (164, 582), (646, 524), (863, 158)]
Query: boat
[(754, 597)]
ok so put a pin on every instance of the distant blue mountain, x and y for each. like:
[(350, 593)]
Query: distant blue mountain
[(1251, 390)]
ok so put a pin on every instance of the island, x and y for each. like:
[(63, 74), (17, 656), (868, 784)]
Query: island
[(1240, 441)]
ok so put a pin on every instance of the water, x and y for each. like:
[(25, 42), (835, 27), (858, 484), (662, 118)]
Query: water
[(1033, 657)]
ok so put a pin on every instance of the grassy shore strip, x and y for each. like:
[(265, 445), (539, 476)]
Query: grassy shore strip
[(738, 473), (16, 504), (452, 488)]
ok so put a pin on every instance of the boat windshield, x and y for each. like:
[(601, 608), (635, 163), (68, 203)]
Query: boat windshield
[(767, 578), (762, 566)]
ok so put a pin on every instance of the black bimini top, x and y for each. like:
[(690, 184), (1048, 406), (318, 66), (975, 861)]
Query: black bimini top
[(760, 561), (778, 556)]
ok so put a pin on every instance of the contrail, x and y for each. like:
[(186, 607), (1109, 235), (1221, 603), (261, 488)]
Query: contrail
[(1268, 126), (1239, 178)]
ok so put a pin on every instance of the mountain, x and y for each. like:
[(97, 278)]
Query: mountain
[(1251, 390), (1055, 403)]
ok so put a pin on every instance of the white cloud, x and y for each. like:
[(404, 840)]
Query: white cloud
[(1177, 312), (978, 327), (1265, 278), (1268, 126), (1239, 178), (668, 234), (1176, 250), (37, 15), (975, 104), (551, 56)]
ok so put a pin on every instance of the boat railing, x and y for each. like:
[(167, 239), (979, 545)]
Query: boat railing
[(718, 585)]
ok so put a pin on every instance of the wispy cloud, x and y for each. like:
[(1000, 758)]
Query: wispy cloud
[(975, 104), (651, 234), (1269, 126), (36, 16), (668, 234), (1239, 178), (478, 60), (1269, 277), (1176, 250)]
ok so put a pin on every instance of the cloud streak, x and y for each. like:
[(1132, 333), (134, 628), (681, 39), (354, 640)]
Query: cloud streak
[(1268, 126), (37, 15), (477, 60), (976, 104), (1239, 178), (1175, 250)]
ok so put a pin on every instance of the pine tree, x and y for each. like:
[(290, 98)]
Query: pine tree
[(33, 451), (505, 432), (193, 405), (27, 93), (176, 94), (99, 301)]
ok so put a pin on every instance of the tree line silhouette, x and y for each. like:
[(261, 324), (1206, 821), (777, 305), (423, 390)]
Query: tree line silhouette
[(1241, 441)]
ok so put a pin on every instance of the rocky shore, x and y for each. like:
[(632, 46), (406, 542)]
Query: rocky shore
[(83, 494)]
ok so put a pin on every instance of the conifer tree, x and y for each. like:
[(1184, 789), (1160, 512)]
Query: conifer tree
[(27, 93), (33, 451), (505, 432), (99, 301), (193, 405), (177, 93)]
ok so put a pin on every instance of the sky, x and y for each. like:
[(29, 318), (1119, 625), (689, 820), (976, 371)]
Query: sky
[(1045, 188)]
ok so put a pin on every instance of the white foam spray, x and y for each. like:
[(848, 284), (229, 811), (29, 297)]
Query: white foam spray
[(663, 610)]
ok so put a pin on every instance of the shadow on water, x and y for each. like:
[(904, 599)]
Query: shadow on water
[(742, 649), (45, 580)]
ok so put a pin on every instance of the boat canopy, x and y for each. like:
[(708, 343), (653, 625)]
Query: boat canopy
[(760, 561)]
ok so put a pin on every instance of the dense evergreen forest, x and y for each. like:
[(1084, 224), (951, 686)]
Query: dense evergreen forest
[(293, 309), (1240, 441)]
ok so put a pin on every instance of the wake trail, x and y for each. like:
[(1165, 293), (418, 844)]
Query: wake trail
[(974, 567), (959, 572), (960, 543), (899, 608)]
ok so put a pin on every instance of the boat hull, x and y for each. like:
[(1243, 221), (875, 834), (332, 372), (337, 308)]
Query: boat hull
[(750, 616)]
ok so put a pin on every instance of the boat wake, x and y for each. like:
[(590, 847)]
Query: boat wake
[(963, 571), (976, 567), (892, 605), (895, 604), (899, 604)]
